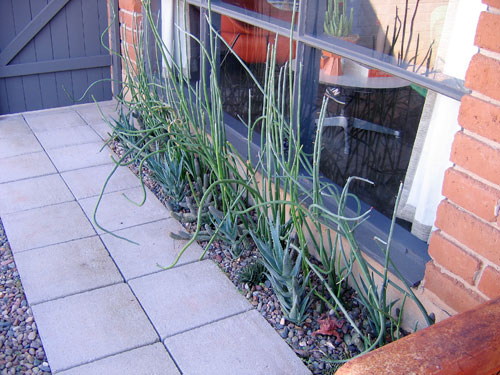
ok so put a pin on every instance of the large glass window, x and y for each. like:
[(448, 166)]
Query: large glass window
[(380, 63)]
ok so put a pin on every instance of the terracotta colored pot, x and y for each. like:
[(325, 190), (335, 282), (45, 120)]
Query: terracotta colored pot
[(331, 63)]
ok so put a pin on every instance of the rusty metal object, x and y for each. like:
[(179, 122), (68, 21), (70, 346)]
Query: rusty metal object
[(465, 344)]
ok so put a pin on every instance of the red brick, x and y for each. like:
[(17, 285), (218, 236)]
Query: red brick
[(483, 76), (480, 117), (492, 3), (490, 282), (471, 194), (129, 37), (132, 21), (488, 32), (450, 291), (476, 157), (130, 52), (478, 236), (131, 5), (453, 258)]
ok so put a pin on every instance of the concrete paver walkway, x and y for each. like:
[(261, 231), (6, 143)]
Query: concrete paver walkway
[(101, 304)]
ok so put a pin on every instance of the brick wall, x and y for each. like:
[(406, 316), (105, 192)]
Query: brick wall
[(130, 16), (130, 21), (465, 248)]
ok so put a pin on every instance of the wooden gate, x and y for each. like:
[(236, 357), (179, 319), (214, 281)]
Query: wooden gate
[(51, 52)]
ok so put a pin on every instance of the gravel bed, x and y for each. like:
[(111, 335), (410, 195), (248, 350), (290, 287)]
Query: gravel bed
[(317, 351), (21, 351)]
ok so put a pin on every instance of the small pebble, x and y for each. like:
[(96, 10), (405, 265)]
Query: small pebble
[(18, 335), (284, 333)]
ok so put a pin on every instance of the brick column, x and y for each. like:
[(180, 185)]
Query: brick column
[(465, 250)]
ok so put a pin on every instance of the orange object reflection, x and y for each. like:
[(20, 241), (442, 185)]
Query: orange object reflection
[(250, 42)]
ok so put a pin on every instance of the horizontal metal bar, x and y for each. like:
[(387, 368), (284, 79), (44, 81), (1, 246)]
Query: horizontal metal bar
[(51, 66), (359, 55), (448, 86), (241, 14)]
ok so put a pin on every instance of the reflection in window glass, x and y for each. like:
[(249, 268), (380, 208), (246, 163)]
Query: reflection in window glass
[(250, 44), (410, 33), (369, 131)]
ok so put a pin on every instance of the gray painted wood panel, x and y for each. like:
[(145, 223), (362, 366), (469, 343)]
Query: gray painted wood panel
[(92, 43), (39, 67), (50, 52), (6, 35), (45, 56), (31, 84), (60, 48), (74, 18)]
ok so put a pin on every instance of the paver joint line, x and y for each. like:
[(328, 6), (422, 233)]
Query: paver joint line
[(55, 243), (209, 323)]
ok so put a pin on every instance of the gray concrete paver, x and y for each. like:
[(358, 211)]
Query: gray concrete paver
[(80, 156), (116, 212), (55, 119), (147, 360), (25, 166), (186, 297), (102, 129), (156, 247), (88, 182), (89, 326), (60, 270), (13, 146), (242, 344), (13, 126), (33, 193), (91, 114), (76, 135), (46, 226)]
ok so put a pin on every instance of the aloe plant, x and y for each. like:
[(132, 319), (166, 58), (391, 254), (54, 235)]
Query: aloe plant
[(283, 268), (169, 171), (253, 273), (230, 232)]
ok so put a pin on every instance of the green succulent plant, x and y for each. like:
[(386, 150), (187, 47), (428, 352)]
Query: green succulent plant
[(229, 231), (168, 171), (337, 22), (253, 273), (283, 271)]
